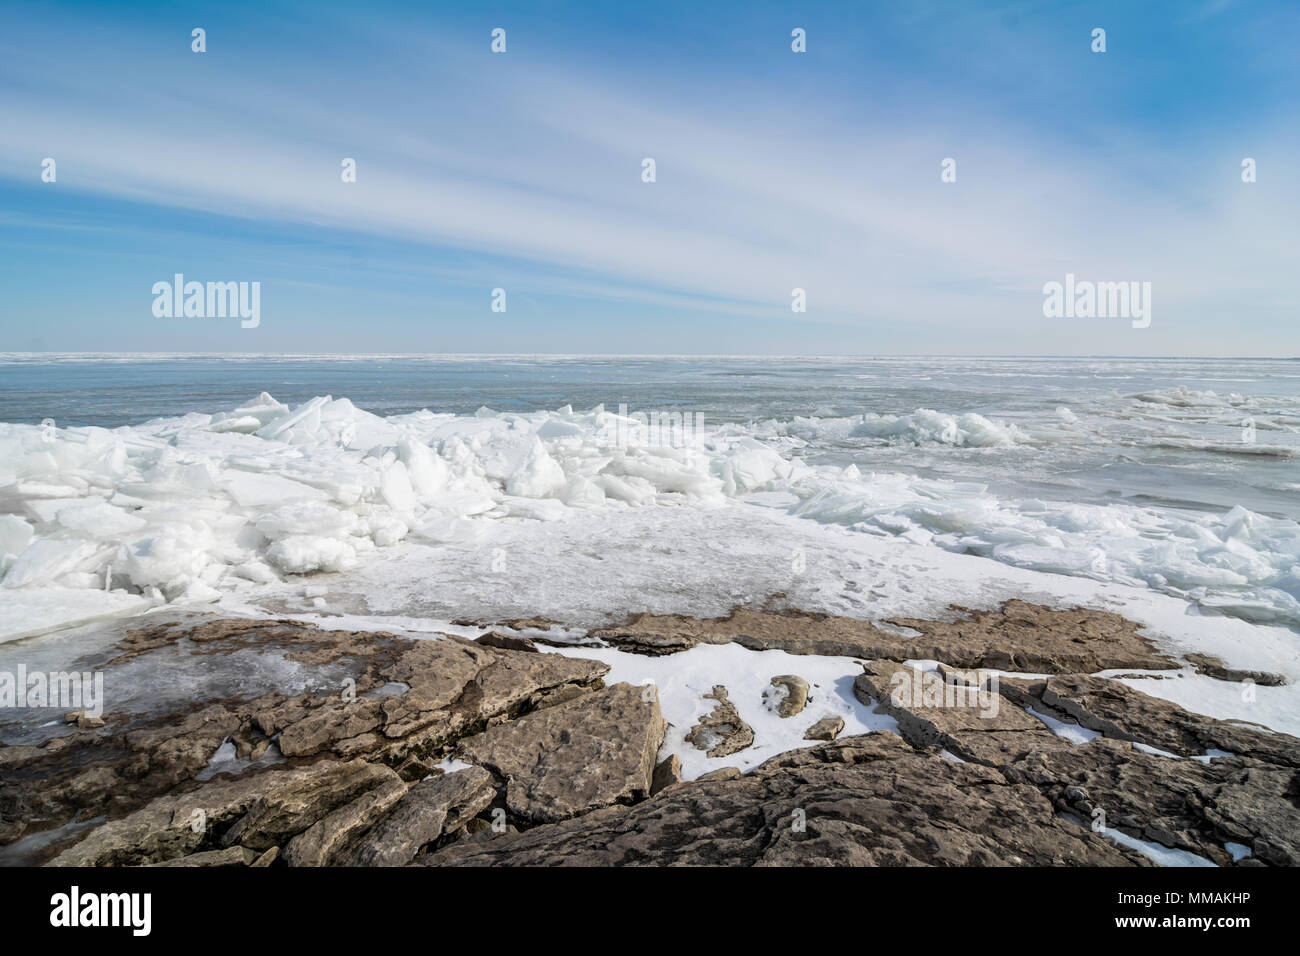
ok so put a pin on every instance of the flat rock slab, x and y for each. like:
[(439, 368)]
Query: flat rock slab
[(1018, 636), (974, 723), (868, 800), (1179, 803), (573, 757), (827, 728), (1119, 711)]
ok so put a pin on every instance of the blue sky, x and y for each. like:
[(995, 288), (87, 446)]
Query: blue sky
[(775, 170)]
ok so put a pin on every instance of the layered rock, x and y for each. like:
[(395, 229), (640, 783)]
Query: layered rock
[(597, 750), (447, 687), (1017, 636), (862, 801)]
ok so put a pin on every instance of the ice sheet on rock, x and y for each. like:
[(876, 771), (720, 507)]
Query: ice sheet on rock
[(28, 612)]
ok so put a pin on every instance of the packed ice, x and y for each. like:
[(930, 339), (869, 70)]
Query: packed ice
[(189, 508)]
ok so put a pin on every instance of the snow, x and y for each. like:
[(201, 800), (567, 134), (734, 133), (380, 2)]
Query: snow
[(684, 678)]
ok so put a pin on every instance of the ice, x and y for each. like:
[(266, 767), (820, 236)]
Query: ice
[(15, 534), (98, 519), (261, 490), (46, 559), (304, 553), (27, 612), (537, 475), (186, 506)]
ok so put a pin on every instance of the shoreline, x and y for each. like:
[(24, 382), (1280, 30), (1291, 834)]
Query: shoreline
[(523, 743)]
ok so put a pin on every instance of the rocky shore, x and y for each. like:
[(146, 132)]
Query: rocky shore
[(302, 746)]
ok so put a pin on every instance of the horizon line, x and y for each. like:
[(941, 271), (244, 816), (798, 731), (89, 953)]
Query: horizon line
[(359, 356)]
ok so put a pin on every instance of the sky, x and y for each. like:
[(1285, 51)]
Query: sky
[(774, 170)]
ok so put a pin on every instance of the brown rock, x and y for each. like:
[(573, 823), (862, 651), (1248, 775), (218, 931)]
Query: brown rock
[(666, 774), (721, 732), (869, 800), (828, 728), (973, 723), (231, 856), (290, 807), (1216, 668), (1017, 636), (430, 809), (327, 837), (788, 693), (564, 760)]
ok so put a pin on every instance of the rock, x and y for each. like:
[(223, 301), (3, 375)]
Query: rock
[(86, 722), (267, 858), (975, 724), (327, 837), (290, 807), (430, 809), (1216, 668), (508, 642), (231, 856), (787, 694), (1178, 803), (567, 759), (455, 686), (868, 800), (416, 768), (722, 773), (180, 824), (1017, 636), (1117, 710), (667, 773), (828, 728), (721, 732)]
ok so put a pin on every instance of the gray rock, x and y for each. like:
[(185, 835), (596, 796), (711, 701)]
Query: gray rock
[(327, 837), (567, 759), (430, 809), (868, 800)]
